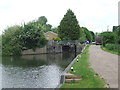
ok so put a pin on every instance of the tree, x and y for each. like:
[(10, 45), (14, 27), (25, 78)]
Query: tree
[(11, 44), (108, 37), (93, 36), (87, 33), (118, 34), (17, 38), (46, 27), (116, 30), (32, 36), (82, 35), (42, 20), (55, 29), (69, 28)]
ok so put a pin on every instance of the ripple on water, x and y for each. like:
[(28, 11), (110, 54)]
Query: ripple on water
[(34, 77)]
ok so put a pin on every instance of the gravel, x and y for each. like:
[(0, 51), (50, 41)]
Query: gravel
[(105, 64)]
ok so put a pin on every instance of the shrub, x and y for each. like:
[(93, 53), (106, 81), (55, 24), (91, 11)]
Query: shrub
[(108, 37), (57, 39)]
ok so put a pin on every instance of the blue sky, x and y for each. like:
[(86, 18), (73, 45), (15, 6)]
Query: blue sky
[(96, 15)]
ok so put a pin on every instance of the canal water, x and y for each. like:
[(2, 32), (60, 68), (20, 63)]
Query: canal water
[(34, 71)]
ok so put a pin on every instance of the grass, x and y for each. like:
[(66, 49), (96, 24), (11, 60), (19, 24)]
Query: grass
[(82, 69), (110, 51), (117, 52)]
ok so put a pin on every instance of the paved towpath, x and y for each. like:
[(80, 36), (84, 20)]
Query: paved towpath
[(105, 64)]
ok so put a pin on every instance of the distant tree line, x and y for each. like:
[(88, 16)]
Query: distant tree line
[(30, 35), (111, 39)]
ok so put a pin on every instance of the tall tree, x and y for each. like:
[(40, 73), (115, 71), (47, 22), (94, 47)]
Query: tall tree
[(93, 36), (42, 20), (69, 28), (87, 33)]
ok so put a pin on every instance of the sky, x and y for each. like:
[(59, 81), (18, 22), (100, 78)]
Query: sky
[(96, 15)]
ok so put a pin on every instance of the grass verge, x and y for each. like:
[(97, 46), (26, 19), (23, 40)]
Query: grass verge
[(82, 69), (110, 51)]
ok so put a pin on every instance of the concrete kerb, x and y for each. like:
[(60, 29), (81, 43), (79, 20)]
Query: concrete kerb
[(68, 67)]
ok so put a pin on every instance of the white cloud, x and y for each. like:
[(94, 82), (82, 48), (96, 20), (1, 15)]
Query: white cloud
[(94, 14)]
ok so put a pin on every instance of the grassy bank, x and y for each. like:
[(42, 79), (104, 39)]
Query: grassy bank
[(112, 48), (82, 69)]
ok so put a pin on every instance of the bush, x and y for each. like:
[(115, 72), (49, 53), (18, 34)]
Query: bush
[(57, 39), (11, 44), (108, 37)]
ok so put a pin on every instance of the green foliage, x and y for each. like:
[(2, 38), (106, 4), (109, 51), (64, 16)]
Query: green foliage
[(42, 23), (112, 48), (55, 30), (116, 29), (46, 27), (87, 34), (82, 69), (97, 34), (82, 35), (57, 39), (42, 20), (111, 40), (93, 36), (108, 37), (29, 36), (32, 36), (11, 44), (69, 27)]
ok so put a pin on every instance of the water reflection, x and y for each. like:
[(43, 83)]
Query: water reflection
[(41, 76), (34, 71)]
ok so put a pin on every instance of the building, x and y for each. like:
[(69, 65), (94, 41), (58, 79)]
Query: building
[(51, 35)]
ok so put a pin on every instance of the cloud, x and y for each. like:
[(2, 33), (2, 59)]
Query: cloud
[(94, 14)]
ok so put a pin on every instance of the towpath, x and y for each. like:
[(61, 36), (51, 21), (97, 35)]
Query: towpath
[(105, 64)]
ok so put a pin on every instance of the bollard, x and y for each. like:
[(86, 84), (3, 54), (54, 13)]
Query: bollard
[(72, 69), (77, 60), (62, 79)]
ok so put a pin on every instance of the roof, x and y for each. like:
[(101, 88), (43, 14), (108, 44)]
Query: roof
[(70, 42), (51, 32)]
